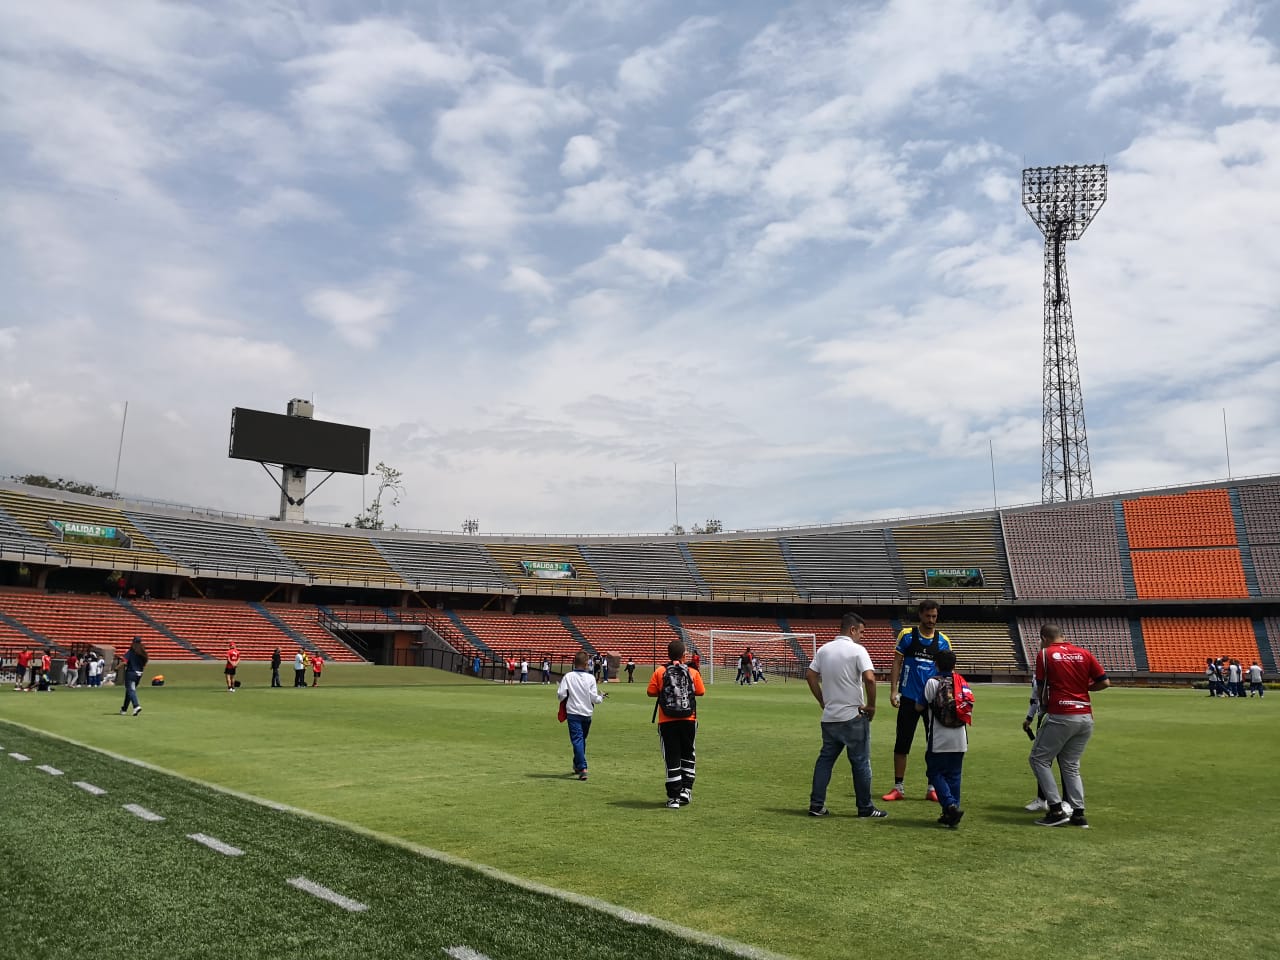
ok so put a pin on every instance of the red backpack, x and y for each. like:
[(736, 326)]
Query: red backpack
[(953, 703)]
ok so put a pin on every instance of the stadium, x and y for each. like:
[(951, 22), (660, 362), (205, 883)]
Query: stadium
[(550, 255), (417, 765)]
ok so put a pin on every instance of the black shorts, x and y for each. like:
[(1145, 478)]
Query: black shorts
[(908, 720), (229, 671)]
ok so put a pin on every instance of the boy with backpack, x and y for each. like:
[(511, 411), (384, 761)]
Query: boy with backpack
[(676, 685), (948, 711)]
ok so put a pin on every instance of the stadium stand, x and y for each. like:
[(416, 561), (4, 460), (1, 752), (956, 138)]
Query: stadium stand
[(213, 547), (644, 638), (1260, 510), (455, 566), (1266, 563), (439, 621), (742, 568), (1182, 644), (1272, 625), (1189, 574), (849, 564), (878, 637), (68, 621), (974, 542), (1196, 518), (1107, 638), (643, 568), (304, 620), (16, 543), (983, 647), (332, 558), (525, 634), (36, 517), (510, 558), (1064, 552)]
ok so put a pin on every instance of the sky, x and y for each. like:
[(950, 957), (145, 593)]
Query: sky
[(593, 266)]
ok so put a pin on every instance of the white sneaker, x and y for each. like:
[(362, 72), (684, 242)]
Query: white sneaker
[(1036, 805), (1067, 808)]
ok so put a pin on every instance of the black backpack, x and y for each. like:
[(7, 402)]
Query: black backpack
[(676, 696)]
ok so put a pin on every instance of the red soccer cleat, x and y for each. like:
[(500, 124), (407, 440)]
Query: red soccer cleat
[(894, 794)]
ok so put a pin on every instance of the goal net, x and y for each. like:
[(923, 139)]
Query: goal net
[(722, 653)]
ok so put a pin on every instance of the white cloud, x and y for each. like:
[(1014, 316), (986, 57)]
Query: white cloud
[(631, 258), (359, 317), (647, 73), (528, 281), (606, 200), (540, 325), (287, 205), (582, 154)]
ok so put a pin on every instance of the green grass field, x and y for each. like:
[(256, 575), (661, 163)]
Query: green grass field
[(1180, 792)]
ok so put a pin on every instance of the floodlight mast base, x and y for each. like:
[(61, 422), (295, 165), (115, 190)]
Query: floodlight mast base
[(1063, 202)]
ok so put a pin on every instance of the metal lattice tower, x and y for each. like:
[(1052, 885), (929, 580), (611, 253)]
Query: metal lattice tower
[(1063, 202)]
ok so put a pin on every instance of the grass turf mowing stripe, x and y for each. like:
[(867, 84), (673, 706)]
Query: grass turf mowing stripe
[(464, 953), (421, 901), (142, 813), (20, 757), (90, 788), (51, 771), (324, 893), (213, 843)]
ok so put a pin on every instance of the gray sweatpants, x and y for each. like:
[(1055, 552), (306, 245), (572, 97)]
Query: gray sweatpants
[(1061, 738)]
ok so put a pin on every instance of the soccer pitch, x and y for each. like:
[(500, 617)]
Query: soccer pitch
[(1180, 791)]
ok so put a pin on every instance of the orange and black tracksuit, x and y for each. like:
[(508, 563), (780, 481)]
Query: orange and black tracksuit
[(676, 736)]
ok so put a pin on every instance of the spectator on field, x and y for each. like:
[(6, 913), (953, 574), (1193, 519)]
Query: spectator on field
[(275, 668), (476, 665), (524, 669), (233, 661), (1213, 675), (511, 669), (1067, 674), (1039, 804), (24, 670), (1255, 681), (843, 681), (580, 695), (677, 686), (631, 669), (1235, 677), (945, 746), (299, 669), (135, 661), (71, 670), (604, 668), (317, 668), (46, 671), (912, 667), (546, 670)]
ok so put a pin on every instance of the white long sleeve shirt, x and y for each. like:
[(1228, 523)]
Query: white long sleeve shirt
[(578, 689)]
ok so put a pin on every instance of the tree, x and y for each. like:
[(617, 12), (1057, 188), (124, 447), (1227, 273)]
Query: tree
[(676, 530), (388, 483), (711, 526), (69, 486)]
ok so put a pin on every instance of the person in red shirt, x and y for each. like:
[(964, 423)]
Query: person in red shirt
[(46, 670), (1065, 676), (24, 664), (233, 661), (317, 666)]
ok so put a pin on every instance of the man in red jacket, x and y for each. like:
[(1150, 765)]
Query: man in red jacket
[(1065, 676), (24, 663)]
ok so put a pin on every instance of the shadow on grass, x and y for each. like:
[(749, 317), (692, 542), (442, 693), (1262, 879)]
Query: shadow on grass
[(639, 804), (552, 776)]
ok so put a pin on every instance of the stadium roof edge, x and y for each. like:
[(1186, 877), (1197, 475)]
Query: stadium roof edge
[(750, 533)]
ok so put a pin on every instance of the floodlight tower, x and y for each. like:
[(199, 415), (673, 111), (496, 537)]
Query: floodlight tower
[(1063, 202)]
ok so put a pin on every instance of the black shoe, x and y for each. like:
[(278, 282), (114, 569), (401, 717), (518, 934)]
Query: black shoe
[(874, 812), (1078, 820), (1054, 818), (953, 816), (819, 812)]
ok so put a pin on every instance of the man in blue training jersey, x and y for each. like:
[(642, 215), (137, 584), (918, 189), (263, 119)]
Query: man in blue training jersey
[(912, 668)]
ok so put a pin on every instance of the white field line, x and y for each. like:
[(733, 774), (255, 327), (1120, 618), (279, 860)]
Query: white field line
[(213, 843), (90, 788), (324, 893), (567, 896), (464, 953), (51, 771), (20, 757), (142, 813)]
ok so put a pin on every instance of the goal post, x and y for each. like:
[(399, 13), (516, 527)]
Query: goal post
[(779, 653)]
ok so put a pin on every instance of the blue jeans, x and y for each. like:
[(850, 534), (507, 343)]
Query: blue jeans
[(131, 691), (853, 735), (579, 727), (944, 776)]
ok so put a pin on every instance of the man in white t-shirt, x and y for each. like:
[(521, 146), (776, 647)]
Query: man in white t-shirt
[(843, 682)]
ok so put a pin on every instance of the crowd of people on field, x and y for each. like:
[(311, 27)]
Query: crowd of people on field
[(1227, 678)]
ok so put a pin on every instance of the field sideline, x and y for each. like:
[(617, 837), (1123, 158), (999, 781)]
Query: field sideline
[(1180, 789)]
